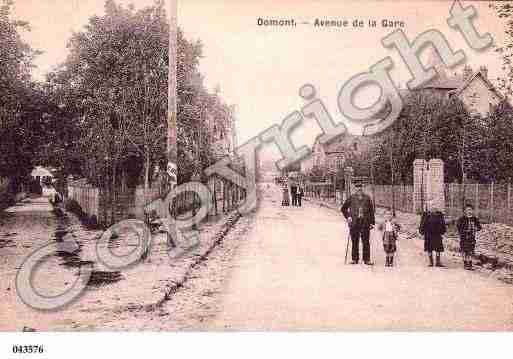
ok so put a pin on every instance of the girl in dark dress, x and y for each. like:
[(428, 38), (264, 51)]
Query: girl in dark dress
[(468, 225), (433, 227)]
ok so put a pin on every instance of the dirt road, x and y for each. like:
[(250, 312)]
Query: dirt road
[(289, 274)]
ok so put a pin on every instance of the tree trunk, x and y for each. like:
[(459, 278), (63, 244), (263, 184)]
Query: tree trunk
[(123, 181), (147, 173), (113, 204), (215, 196)]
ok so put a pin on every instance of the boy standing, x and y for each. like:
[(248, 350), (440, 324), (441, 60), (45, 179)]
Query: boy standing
[(468, 225), (389, 229)]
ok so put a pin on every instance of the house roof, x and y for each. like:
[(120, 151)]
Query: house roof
[(457, 83), (483, 78), (343, 143), (449, 83)]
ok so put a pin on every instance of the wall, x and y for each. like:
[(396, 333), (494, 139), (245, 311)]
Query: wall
[(478, 97)]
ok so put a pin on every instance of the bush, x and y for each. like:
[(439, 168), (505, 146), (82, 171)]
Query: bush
[(6, 200), (72, 206)]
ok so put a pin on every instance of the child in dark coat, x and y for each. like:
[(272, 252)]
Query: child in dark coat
[(389, 228), (433, 227), (468, 225)]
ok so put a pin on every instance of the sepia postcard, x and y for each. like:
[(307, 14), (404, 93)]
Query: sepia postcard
[(227, 166)]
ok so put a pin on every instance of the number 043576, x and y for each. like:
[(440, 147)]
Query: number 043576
[(27, 349)]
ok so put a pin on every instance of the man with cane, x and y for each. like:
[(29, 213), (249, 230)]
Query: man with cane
[(358, 210)]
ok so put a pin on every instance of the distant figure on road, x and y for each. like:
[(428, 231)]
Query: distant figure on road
[(53, 196), (293, 193), (433, 227), (468, 225), (285, 191), (358, 210), (389, 228), (55, 200), (299, 195)]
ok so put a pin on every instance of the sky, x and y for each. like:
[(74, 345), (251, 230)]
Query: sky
[(53, 22), (260, 69)]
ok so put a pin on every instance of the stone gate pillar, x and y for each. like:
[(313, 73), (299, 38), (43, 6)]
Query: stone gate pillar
[(436, 188), (419, 184), (428, 184)]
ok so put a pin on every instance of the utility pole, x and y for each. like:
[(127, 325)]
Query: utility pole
[(462, 161), (392, 173), (393, 180), (371, 168), (172, 111)]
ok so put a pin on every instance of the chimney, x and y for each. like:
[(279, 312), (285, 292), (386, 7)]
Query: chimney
[(484, 70), (467, 72)]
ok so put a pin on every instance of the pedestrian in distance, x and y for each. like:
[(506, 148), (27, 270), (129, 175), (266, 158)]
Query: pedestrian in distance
[(468, 225), (390, 229), (293, 193), (433, 227), (300, 194), (358, 210), (285, 194)]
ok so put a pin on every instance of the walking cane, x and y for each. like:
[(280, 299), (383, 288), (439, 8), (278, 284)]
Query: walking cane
[(347, 246)]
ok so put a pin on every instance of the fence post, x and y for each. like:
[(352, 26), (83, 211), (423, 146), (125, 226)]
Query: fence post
[(451, 194), (509, 197), (402, 197), (334, 189), (476, 201), (491, 204)]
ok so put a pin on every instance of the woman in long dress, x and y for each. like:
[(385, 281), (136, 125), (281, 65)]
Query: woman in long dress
[(285, 190)]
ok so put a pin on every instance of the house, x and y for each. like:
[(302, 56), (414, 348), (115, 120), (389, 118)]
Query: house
[(473, 88), (333, 156)]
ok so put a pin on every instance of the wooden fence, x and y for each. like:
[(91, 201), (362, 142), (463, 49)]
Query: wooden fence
[(87, 197), (492, 202), (108, 208)]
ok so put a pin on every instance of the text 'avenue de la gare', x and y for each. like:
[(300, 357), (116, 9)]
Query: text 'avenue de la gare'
[(332, 23)]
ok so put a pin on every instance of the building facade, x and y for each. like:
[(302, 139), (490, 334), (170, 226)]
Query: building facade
[(329, 158)]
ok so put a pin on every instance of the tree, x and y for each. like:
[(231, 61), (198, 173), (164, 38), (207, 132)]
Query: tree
[(19, 115), (500, 143), (504, 10), (116, 78), (198, 110), (430, 126)]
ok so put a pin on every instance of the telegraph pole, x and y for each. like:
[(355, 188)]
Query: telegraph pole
[(172, 169), (371, 168)]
